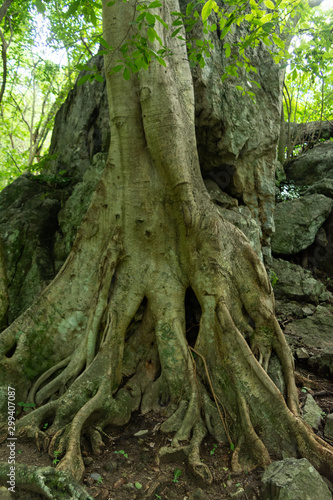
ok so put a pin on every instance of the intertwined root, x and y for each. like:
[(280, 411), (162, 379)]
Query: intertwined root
[(219, 384)]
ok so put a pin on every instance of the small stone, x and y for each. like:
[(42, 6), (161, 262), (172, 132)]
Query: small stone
[(302, 353), (141, 433), (328, 431), (239, 494), (307, 310), (312, 413), (96, 476), (129, 486), (198, 494), (111, 466), (229, 483), (88, 461), (119, 483)]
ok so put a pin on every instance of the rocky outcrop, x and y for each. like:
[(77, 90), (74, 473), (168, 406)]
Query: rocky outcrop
[(237, 137), (298, 221), (311, 166), (294, 283), (28, 221), (293, 479), (81, 127)]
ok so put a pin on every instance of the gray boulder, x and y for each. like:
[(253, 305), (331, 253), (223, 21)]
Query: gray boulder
[(293, 479), (323, 186), (328, 431), (28, 220), (298, 221), (74, 209), (313, 331), (296, 283), (322, 362), (312, 166), (312, 413)]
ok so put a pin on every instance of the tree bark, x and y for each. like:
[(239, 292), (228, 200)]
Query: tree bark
[(150, 234)]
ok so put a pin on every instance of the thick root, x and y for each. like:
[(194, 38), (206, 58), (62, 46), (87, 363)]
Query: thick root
[(46, 481)]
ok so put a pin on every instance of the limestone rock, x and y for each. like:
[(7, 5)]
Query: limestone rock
[(314, 331), (298, 221), (218, 196), (296, 283), (322, 362), (293, 479), (328, 431), (312, 413), (74, 209), (28, 220), (312, 166), (324, 186), (81, 127)]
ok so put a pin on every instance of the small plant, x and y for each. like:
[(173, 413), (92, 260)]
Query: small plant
[(273, 278), (212, 451), (26, 405), (56, 459), (99, 480), (176, 475), (138, 485), (225, 469), (305, 390), (158, 496), (122, 452), (45, 426)]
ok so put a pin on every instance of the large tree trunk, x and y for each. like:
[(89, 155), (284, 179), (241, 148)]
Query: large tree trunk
[(150, 234)]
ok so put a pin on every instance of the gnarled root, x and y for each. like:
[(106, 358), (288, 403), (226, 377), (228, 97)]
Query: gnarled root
[(47, 481)]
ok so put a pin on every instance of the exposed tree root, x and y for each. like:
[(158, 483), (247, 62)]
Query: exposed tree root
[(46, 481)]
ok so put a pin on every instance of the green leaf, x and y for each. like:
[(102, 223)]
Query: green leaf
[(207, 9), (138, 485), (72, 8), (154, 4), (227, 49), (83, 79), (99, 78), (127, 74), (39, 6), (116, 69), (267, 27), (269, 4), (176, 32), (232, 446), (189, 8), (161, 21), (151, 34), (150, 18), (278, 41)]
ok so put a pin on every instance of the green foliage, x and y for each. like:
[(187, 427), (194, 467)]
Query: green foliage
[(176, 475), (289, 191), (122, 452), (56, 459), (212, 451), (26, 405), (273, 278)]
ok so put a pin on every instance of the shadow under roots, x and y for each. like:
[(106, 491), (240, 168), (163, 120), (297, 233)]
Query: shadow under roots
[(192, 317)]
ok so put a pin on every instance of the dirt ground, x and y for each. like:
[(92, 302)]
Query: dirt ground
[(128, 468)]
